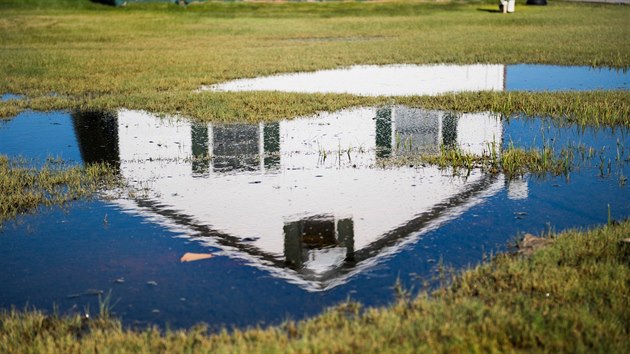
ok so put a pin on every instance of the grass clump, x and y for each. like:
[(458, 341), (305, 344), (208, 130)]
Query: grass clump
[(516, 161), (25, 188), (511, 161), (570, 296)]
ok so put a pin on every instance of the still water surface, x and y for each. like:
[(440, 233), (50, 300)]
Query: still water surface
[(408, 80), (300, 214)]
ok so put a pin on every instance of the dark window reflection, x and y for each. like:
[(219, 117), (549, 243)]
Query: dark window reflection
[(417, 131)]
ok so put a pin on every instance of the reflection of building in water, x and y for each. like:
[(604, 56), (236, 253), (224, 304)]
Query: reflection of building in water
[(234, 147), (517, 188), (318, 243), (98, 130), (418, 131), (200, 152), (379, 80), (302, 198)]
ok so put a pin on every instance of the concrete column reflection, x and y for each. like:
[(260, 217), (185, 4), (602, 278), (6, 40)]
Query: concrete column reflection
[(97, 136), (449, 130), (271, 145), (517, 188), (383, 132), (200, 158)]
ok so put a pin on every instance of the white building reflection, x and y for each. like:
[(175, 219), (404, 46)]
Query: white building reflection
[(517, 188), (304, 198), (379, 80)]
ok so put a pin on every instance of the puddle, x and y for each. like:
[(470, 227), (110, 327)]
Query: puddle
[(9, 96), (409, 80), (298, 214), (524, 77)]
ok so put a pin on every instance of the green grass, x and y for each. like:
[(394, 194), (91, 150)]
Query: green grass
[(25, 188), (153, 56), (596, 108), (590, 108), (511, 161), (571, 296)]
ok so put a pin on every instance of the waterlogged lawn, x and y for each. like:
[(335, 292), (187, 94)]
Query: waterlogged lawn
[(24, 187), (86, 57), (153, 57), (512, 303)]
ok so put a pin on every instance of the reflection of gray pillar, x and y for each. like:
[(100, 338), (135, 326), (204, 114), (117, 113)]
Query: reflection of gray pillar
[(345, 237), (200, 162), (383, 132), (271, 145), (293, 245), (97, 136), (449, 130)]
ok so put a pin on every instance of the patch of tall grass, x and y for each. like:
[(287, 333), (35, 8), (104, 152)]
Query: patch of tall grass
[(585, 108), (24, 188), (596, 108), (511, 161)]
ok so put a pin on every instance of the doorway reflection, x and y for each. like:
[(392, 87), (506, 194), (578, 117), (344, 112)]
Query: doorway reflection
[(318, 243)]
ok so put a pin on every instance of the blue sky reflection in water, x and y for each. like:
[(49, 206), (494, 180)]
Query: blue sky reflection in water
[(298, 213), (9, 96), (528, 77)]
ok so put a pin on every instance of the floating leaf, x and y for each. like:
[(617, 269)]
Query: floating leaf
[(191, 257)]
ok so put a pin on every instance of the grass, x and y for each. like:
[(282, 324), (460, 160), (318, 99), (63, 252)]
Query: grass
[(511, 161), (595, 108), (65, 54), (570, 296), (591, 108), (26, 188), (538, 161)]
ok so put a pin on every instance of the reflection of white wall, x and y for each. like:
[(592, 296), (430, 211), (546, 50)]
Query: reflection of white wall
[(143, 136), (320, 261), (258, 203), (475, 131), (518, 188), (303, 142), (374, 80)]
